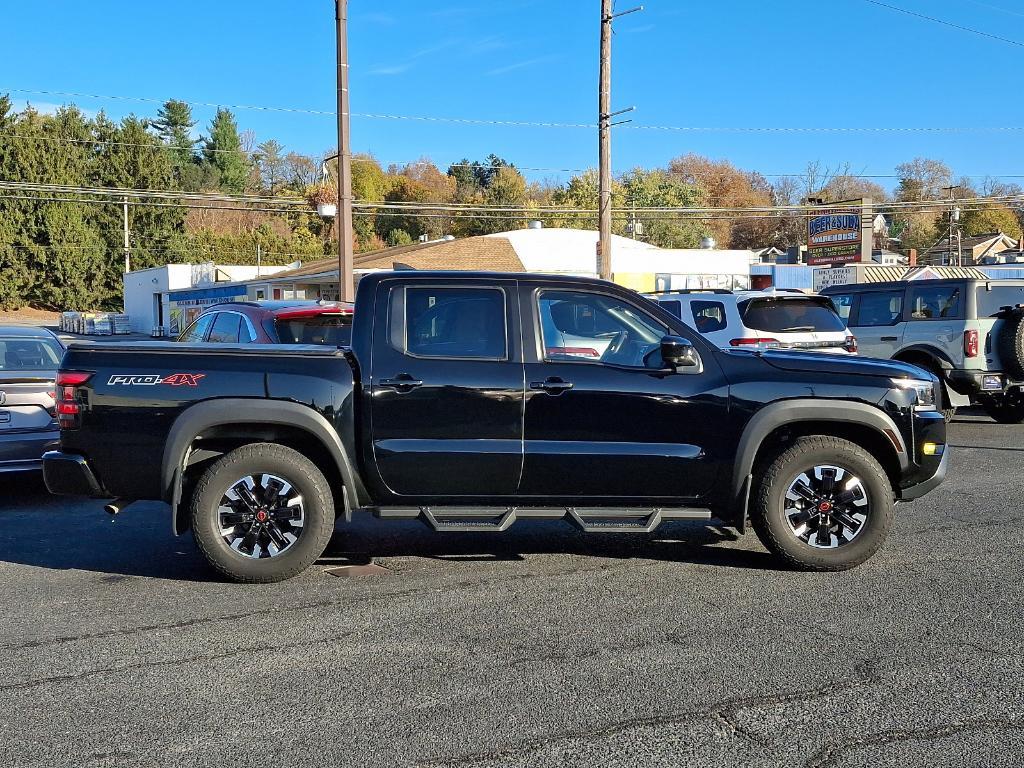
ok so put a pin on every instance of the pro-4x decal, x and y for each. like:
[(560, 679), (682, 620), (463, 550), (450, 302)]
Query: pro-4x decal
[(152, 379)]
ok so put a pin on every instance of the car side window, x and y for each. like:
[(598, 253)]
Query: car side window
[(708, 316), (930, 302), (455, 323), (590, 327), (881, 308), (225, 328), (844, 304), (195, 332)]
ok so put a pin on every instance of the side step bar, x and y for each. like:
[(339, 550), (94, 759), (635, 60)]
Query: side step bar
[(588, 519)]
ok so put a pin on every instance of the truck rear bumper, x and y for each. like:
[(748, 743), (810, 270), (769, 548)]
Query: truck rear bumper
[(69, 475)]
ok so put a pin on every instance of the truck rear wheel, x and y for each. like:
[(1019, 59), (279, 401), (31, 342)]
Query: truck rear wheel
[(822, 504), (262, 513)]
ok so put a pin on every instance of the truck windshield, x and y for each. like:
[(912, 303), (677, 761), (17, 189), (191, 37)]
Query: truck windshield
[(792, 315), (332, 330)]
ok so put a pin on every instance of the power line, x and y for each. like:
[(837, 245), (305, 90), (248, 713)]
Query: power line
[(521, 214), (946, 23), (219, 201), (554, 124)]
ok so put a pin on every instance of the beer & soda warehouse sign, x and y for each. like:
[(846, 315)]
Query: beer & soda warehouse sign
[(834, 237)]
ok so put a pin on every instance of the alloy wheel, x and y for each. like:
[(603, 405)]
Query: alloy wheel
[(261, 515), (826, 507)]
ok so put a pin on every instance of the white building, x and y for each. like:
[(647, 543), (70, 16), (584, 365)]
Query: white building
[(147, 291)]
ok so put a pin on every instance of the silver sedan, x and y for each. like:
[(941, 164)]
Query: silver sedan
[(28, 370)]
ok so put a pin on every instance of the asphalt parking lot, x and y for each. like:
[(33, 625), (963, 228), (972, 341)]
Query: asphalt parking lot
[(538, 647)]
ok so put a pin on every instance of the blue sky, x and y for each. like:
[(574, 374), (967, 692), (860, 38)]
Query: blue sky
[(680, 62)]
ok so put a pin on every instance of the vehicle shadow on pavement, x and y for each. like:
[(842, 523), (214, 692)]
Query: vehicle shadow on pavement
[(678, 542), (59, 533)]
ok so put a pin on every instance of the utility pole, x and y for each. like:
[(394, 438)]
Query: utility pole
[(259, 259), (604, 132), (127, 246), (346, 282), (954, 226)]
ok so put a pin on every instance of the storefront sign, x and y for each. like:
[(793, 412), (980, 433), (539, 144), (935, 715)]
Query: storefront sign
[(834, 236)]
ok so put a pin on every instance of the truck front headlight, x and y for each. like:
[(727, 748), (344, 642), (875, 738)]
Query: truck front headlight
[(924, 393)]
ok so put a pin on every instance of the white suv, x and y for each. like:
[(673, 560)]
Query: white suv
[(769, 319)]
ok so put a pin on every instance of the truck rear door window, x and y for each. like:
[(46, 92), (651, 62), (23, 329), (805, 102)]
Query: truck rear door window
[(791, 315), (455, 322)]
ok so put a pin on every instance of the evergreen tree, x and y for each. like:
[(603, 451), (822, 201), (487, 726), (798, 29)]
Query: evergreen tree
[(272, 165), (174, 124), (223, 151)]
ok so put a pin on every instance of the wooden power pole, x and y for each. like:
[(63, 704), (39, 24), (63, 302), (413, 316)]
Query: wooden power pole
[(346, 281), (604, 132)]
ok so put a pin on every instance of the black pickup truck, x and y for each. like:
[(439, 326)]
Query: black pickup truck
[(473, 400)]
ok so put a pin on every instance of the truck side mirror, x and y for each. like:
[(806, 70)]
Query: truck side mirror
[(678, 352)]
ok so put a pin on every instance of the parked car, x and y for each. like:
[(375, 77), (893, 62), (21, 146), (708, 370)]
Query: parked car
[(28, 418), (272, 322), (451, 407), (969, 333), (769, 319)]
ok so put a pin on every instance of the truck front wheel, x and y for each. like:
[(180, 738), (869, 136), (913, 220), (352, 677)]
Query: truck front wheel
[(262, 513), (822, 504)]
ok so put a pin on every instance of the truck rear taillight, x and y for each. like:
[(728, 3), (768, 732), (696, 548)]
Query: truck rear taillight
[(850, 345), (69, 405), (970, 343), (755, 343)]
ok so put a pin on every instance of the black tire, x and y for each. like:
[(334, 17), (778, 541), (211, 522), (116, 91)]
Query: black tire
[(1005, 410), (1011, 343), (261, 459), (769, 513)]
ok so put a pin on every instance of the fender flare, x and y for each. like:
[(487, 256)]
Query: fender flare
[(226, 411), (778, 414), (943, 361)]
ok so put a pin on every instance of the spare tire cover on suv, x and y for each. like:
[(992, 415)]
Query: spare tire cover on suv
[(1011, 343)]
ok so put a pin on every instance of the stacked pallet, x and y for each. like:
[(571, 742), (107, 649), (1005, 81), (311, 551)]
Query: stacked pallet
[(95, 323)]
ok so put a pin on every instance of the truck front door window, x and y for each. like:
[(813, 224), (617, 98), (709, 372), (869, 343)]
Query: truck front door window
[(594, 328)]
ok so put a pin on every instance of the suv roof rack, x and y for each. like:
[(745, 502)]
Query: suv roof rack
[(690, 290)]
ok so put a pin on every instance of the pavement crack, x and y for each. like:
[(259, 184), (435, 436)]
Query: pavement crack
[(830, 756), (722, 713), (86, 674), (303, 607)]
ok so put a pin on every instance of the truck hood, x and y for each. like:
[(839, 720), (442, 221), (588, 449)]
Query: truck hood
[(820, 362)]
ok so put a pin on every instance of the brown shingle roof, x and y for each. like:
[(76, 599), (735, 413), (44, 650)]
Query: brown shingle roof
[(494, 254)]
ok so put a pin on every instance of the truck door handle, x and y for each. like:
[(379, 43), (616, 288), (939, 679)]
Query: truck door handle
[(403, 382), (552, 386), (890, 338)]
